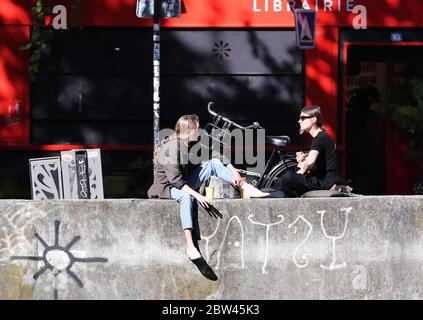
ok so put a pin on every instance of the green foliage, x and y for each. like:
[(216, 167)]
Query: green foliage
[(38, 36), (405, 108), (38, 41)]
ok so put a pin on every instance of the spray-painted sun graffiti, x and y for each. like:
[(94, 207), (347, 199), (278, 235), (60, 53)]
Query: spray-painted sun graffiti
[(58, 258)]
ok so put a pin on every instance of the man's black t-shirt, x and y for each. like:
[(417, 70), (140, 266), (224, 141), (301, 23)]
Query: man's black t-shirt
[(326, 164)]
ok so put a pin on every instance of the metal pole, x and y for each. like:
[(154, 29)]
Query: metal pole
[(156, 73)]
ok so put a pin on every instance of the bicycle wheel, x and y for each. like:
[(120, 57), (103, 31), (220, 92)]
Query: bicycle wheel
[(278, 171)]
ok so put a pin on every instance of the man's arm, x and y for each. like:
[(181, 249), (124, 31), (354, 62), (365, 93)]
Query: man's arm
[(309, 162)]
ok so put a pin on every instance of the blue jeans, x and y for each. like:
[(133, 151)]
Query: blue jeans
[(212, 167)]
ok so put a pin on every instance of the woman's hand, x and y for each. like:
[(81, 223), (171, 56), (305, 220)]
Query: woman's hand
[(236, 177), (205, 202)]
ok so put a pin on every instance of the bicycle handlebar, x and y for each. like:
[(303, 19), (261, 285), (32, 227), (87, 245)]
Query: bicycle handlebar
[(209, 105), (255, 125)]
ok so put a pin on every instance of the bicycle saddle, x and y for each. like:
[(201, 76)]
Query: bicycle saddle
[(278, 141)]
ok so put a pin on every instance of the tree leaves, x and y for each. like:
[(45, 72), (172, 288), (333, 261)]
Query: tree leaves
[(39, 41), (405, 108)]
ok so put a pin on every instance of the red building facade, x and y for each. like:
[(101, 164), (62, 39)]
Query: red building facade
[(325, 67)]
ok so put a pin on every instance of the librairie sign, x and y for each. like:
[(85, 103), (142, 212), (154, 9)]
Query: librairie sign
[(285, 7), (291, 5)]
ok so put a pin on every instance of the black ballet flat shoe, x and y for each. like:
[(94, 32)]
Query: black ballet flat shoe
[(204, 268)]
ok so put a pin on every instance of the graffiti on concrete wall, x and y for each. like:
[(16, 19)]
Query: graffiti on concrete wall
[(267, 225), (15, 231), (237, 244), (294, 254), (329, 222), (231, 235), (208, 238), (300, 261), (333, 265), (57, 259)]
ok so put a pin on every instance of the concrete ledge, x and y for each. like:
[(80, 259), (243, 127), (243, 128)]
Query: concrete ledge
[(328, 248)]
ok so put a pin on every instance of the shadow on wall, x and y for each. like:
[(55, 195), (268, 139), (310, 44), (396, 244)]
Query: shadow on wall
[(13, 89), (94, 86), (104, 106), (100, 91)]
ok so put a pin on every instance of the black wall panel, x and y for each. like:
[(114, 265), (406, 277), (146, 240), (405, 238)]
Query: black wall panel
[(95, 84)]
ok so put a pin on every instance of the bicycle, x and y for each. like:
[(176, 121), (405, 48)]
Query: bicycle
[(278, 163)]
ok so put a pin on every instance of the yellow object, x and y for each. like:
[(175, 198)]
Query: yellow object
[(210, 193), (241, 189)]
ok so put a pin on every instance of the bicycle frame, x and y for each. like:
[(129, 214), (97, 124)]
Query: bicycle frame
[(221, 126), (270, 164)]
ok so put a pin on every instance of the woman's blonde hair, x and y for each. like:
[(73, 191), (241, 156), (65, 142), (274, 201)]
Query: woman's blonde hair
[(184, 126)]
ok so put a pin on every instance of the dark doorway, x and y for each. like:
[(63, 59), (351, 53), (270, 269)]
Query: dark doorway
[(371, 70)]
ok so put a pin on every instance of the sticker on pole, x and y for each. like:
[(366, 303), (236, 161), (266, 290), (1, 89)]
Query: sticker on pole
[(170, 8), (305, 28), (145, 9)]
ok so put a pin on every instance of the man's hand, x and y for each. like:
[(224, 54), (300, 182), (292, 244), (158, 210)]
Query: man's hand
[(301, 159), (301, 156)]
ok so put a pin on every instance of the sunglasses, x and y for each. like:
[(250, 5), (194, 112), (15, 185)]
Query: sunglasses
[(302, 118)]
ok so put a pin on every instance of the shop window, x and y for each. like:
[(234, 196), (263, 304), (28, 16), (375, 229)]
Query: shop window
[(95, 86)]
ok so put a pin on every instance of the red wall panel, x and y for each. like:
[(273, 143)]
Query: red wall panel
[(14, 85), (322, 74), (234, 13), (15, 12)]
